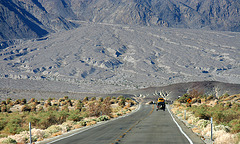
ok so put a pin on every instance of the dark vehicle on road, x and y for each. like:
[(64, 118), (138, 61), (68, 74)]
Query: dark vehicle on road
[(160, 104)]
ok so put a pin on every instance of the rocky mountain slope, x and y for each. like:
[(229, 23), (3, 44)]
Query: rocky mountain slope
[(102, 46), (36, 18), (105, 57)]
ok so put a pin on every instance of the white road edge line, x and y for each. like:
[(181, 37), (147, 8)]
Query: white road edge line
[(190, 141), (64, 137)]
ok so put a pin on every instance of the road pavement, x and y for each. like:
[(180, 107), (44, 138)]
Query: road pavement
[(144, 126)]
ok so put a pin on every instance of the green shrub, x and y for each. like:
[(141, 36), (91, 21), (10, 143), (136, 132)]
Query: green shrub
[(235, 125), (3, 122), (4, 108), (120, 97), (8, 100), (26, 108), (14, 125), (184, 98), (75, 116), (18, 101), (47, 119), (32, 100), (62, 116), (82, 123), (23, 101), (103, 118), (9, 141), (85, 99), (33, 119), (121, 102), (53, 108), (53, 129), (79, 106)]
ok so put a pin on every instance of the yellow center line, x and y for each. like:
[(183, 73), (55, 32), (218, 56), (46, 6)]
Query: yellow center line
[(137, 122)]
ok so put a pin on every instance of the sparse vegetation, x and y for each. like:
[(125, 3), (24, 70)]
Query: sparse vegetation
[(224, 110), (51, 114)]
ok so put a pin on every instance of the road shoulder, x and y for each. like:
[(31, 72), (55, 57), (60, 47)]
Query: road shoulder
[(194, 137)]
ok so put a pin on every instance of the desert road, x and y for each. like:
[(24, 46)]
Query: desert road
[(146, 126)]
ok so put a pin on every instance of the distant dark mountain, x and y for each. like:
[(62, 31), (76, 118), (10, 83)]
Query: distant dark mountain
[(36, 18), (210, 14), (24, 19)]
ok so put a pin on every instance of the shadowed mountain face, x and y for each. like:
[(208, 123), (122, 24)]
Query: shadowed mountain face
[(27, 19), (36, 18)]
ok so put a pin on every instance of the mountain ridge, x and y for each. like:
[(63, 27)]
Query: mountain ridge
[(36, 18)]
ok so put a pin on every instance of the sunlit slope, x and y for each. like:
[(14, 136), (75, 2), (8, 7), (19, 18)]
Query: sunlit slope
[(125, 57)]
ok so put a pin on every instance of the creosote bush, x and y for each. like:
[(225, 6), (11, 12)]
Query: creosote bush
[(227, 114), (44, 114)]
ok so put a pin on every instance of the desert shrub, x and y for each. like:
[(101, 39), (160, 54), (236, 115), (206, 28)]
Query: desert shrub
[(63, 103), (74, 116), (11, 103), (62, 116), (93, 98), (47, 103), (107, 100), (106, 109), (61, 99), (84, 109), (18, 101), (85, 99), (4, 108), (100, 99), (9, 141), (8, 100), (33, 108), (32, 100), (210, 97), (113, 97), (3, 103), (78, 106), (33, 119), (40, 109), (3, 122), (201, 112), (65, 108), (224, 96), (82, 123), (23, 101), (121, 102), (103, 118), (195, 93), (26, 108), (235, 125), (94, 109), (53, 129), (228, 104), (47, 119), (184, 98), (65, 97), (120, 97), (235, 107), (14, 125), (69, 102)]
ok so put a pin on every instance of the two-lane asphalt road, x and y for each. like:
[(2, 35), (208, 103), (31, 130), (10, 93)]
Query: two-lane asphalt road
[(144, 126)]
